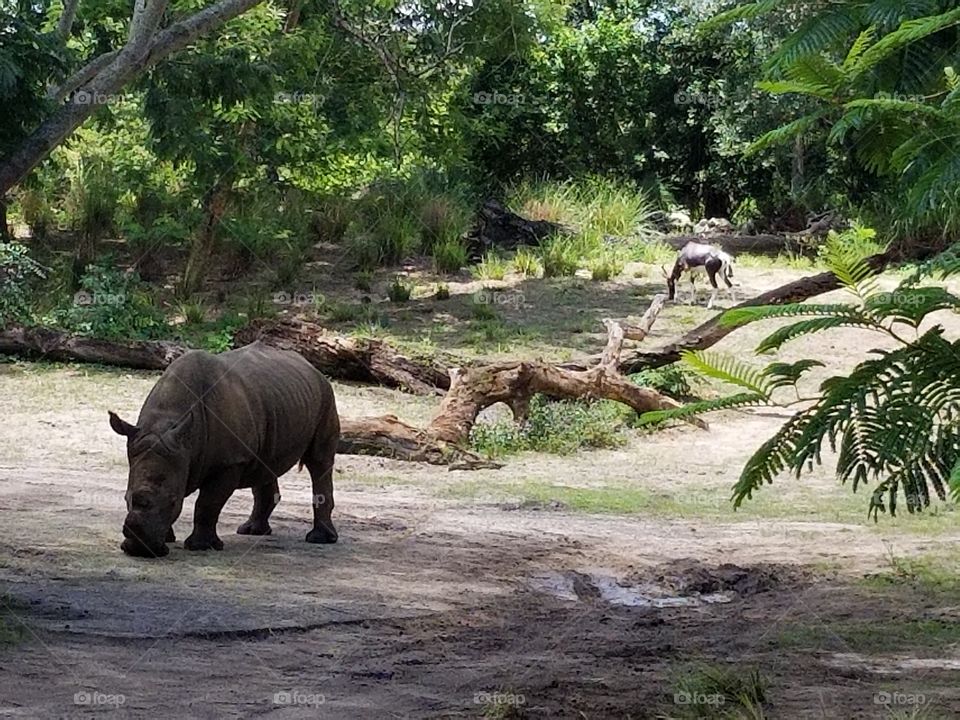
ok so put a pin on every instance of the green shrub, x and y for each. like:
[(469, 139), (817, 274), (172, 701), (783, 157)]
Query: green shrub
[(526, 263), (857, 240), (443, 292), (399, 290), (558, 427), (18, 271), (450, 256), (560, 257), (490, 267), (112, 303), (652, 252)]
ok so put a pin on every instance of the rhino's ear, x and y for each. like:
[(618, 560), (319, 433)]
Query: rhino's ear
[(122, 427)]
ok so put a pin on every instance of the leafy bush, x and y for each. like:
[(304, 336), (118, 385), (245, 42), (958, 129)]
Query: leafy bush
[(330, 219), (93, 199), (112, 303), (37, 212), (450, 256), (558, 427), (443, 292), (17, 272)]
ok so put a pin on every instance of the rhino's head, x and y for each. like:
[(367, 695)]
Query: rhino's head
[(159, 465)]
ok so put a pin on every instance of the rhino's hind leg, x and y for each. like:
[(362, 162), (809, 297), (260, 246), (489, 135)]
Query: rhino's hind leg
[(213, 496), (319, 462), (265, 499)]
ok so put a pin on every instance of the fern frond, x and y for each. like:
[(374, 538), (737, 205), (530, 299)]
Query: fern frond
[(729, 370), (782, 135), (746, 11), (787, 87), (909, 32), (702, 407), (860, 45), (910, 305), (783, 335), (735, 317), (783, 374)]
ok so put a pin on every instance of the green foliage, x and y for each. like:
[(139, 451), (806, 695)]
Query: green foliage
[(558, 427), (111, 303), (606, 264), (443, 292), (18, 273), (710, 691)]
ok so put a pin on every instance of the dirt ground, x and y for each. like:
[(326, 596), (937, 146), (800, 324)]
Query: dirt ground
[(466, 594)]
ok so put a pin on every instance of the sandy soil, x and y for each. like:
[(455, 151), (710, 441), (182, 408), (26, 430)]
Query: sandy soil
[(437, 604)]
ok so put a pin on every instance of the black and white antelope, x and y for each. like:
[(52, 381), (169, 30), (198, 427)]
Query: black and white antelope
[(696, 258)]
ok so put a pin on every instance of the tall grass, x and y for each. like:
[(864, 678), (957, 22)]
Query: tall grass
[(592, 205)]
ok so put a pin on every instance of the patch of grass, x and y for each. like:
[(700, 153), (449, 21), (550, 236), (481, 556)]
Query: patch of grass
[(340, 312), (526, 262), (443, 292), (715, 691), (932, 575), (363, 281), (560, 257), (600, 205), (11, 628), (450, 256), (399, 291), (787, 259), (442, 219), (600, 500), (561, 428), (606, 265), (490, 267), (673, 380), (870, 635)]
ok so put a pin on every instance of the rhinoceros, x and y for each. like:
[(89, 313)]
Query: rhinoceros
[(216, 423)]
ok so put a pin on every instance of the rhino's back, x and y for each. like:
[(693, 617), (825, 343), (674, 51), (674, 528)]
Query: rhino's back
[(264, 402)]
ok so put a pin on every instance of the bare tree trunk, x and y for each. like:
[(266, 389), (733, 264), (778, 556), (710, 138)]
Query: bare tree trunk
[(5, 234)]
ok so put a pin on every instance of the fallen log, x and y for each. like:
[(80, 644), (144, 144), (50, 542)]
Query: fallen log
[(365, 360), (735, 243), (47, 343), (513, 383)]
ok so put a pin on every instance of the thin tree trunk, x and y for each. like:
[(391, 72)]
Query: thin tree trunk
[(205, 241)]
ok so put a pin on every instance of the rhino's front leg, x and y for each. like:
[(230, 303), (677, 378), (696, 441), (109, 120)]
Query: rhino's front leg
[(213, 496)]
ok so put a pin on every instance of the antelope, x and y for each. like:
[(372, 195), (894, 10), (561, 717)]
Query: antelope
[(697, 258)]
